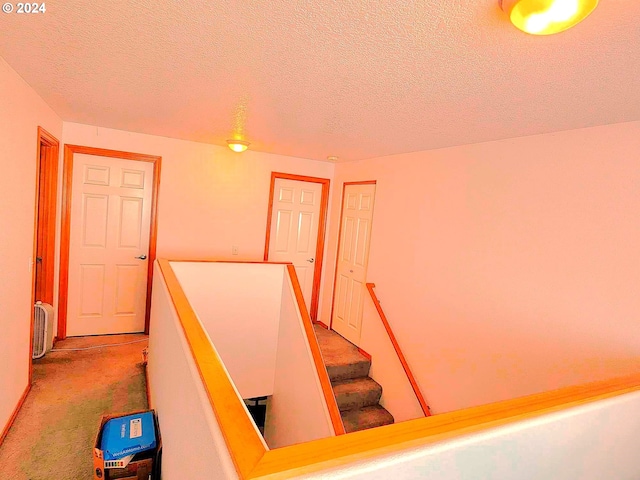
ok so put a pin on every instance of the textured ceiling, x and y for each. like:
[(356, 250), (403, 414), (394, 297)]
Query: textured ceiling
[(351, 78)]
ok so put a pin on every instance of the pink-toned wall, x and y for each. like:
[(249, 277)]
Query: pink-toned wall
[(210, 197), (507, 267), (21, 112)]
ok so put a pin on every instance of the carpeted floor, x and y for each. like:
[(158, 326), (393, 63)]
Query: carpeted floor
[(54, 432)]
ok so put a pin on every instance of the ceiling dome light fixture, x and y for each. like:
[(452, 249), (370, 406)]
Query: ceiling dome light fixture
[(545, 17), (238, 146)]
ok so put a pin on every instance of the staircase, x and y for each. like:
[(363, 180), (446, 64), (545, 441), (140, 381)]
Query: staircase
[(357, 395)]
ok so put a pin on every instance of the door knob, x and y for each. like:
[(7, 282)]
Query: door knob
[(142, 257), (310, 260)]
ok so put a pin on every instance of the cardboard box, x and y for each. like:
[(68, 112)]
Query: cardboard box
[(144, 466), (123, 437)]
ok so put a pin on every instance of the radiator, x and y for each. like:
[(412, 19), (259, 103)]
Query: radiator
[(42, 329)]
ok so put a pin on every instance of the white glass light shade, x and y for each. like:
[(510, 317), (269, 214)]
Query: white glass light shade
[(238, 145)]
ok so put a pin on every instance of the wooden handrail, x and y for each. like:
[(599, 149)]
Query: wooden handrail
[(323, 375), (396, 346), (244, 444), (254, 462), (321, 455), (243, 441)]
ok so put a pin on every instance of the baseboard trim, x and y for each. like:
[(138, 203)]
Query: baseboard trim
[(146, 381), (364, 353), (321, 324), (13, 416)]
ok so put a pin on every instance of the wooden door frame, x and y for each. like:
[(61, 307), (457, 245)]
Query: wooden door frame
[(69, 152), (46, 199), (322, 226), (335, 273)]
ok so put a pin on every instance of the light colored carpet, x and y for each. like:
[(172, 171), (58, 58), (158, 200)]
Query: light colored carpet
[(357, 395), (54, 432), (342, 358)]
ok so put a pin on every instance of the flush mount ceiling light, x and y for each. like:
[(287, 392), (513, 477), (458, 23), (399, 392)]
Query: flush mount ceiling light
[(544, 17), (238, 145)]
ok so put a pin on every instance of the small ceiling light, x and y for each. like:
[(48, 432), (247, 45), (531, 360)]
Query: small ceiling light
[(238, 146), (332, 158), (544, 17)]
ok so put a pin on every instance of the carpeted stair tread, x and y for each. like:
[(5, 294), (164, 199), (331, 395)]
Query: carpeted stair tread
[(357, 393), (364, 418), (342, 358)]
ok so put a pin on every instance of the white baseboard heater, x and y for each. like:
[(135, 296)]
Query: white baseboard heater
[(42, 329)]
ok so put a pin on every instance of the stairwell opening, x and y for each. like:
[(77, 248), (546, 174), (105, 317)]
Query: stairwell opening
[(257, 407)]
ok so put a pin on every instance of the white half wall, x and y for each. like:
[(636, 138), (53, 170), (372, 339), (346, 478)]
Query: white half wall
[(193, 445), (297, 411), (21, 112), (588, 442), (239, 307), (591, 442)]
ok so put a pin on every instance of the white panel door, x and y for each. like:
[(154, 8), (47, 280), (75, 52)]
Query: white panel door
[(295, 218), (110, 224), (353, 257)]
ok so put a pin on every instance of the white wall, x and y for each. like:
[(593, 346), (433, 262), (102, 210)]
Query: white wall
[(21, 112), (591, 442), (239, 306), (193, 445), (250, 313), (210, 197), (510, 267), (297, 412)]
